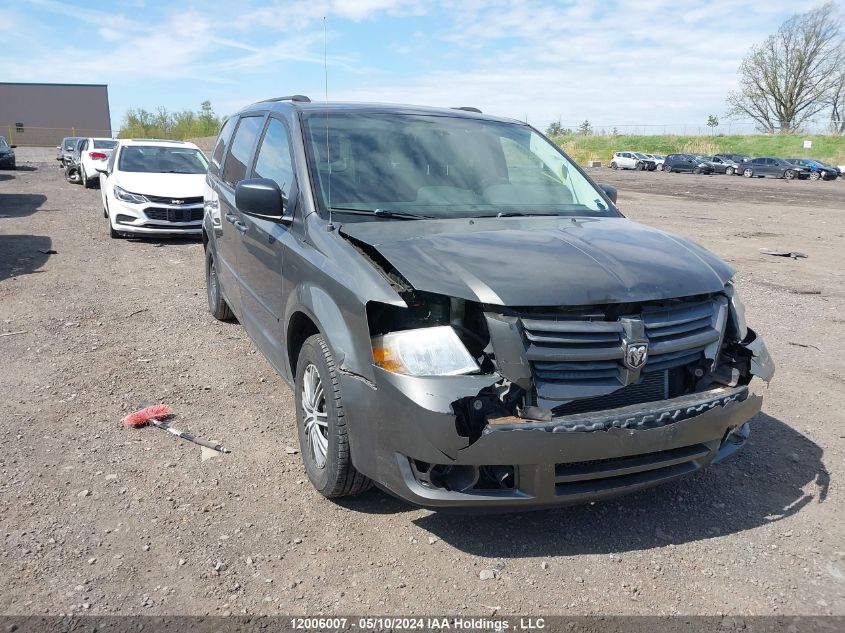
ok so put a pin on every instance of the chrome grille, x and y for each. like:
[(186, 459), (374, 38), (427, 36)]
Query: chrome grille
[(679, 333), (580, 355), (175, 201)]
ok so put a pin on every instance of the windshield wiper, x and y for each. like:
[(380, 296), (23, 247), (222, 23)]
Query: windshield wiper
[(518, 214), (383, 213)]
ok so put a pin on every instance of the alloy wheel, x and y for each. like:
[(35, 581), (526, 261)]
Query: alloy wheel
[(315, 415)]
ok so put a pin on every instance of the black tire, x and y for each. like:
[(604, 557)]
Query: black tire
[(659, 167), (729, 171), (72, 174), (112, 233), (814, 175), (217, 305), (748, 172), (789, 174), (83, 178), (337, 477), (667, 168), (638, 166), (696, 170), (613, 165)]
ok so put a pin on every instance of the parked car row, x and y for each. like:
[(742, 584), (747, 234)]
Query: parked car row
[(148, 186), (81, 157), (729, 164)]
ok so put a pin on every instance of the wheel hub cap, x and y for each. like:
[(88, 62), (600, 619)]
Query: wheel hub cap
[(315, 416)]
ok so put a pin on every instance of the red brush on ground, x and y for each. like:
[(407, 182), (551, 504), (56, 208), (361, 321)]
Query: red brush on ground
[(145, 415)]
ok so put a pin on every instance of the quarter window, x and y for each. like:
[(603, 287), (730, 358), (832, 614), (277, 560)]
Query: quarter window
[(241, 148)]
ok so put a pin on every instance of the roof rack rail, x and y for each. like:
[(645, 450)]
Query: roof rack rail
[(295, 98), (468, 109)]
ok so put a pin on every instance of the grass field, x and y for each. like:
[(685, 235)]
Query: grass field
[(830, 149)]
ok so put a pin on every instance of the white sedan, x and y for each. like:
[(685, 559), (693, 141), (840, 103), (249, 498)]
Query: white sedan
[(153, 187)]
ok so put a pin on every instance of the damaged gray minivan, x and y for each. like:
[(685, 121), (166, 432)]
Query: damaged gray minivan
[(466, 319)]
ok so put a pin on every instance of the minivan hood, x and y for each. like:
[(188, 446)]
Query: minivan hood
[(544, 261), (165, 185)]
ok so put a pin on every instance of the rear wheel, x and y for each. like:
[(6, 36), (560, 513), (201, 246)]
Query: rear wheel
[(659, 167), (217, 305), (696, 170), (613, 165), (814, 175), (729, 171), (83, 178), (667, 168), (322, 425), (789, 174)]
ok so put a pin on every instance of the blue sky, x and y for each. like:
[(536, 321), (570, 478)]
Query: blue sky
[(658, 62)]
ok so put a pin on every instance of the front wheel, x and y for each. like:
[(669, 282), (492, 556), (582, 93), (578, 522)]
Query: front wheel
[(638, 167), (667, 168), (321, 423), (748, 173), (659, 168), (789, 174), (217, 305), (814, 175), (729, 171)]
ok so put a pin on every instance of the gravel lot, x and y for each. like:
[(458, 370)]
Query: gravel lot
[(95, 518)]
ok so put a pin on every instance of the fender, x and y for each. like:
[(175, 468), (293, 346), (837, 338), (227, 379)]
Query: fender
[(345, 330)]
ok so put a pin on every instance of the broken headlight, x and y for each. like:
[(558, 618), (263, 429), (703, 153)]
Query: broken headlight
[(430, 351)]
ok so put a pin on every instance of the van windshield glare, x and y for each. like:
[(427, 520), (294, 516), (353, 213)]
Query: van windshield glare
[(442, 167)]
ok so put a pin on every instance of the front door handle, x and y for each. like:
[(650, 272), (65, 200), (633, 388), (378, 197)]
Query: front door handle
[(242, 228), (231, 218)]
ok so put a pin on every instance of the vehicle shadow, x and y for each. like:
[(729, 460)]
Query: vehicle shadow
[(18, 205), (25, 168), (167, 241), (22, 254), (761, 484), (6, 177)]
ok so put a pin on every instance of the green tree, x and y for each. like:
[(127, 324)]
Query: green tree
[(554, 129), (712, 123), (161, 123), (586, 128)]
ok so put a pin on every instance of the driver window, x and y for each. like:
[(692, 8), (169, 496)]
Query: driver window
[(274, 159)]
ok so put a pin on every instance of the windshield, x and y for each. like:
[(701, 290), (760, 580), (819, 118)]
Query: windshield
[(3, 142), (152, 159), (646, 156), (442, 167)]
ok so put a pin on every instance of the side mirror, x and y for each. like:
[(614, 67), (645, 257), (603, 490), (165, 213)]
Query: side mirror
[(609, 191), (260, 197)]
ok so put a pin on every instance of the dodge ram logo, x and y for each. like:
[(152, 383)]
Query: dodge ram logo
[(636, 354)]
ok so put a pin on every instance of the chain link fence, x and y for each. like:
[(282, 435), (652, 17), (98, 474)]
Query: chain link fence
[(28, 136)]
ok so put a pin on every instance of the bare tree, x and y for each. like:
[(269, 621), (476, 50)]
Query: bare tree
[(789, 78), (837, 105)]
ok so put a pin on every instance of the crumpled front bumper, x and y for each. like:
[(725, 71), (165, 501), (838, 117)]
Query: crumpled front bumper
[(405, 421)]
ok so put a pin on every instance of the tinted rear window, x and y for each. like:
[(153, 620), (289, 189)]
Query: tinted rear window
[(104, 144), (220, 146)]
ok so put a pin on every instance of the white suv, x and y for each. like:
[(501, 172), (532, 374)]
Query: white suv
[(92, 154), (154, 187)]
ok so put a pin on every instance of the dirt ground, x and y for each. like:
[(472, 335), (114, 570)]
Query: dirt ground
[(98, 519)]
